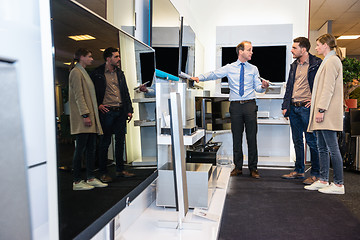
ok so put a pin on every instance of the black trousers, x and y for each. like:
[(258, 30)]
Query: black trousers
[(244, 115), (85, 143)]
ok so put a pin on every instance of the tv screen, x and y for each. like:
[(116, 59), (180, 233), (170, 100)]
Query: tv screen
[(167, 59), (147, 65), (270, 60)]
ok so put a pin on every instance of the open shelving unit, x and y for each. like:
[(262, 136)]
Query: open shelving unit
[(274, 136), (147, 124)]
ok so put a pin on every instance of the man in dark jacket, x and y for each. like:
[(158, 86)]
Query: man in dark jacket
[(296, 106), (115, 108)]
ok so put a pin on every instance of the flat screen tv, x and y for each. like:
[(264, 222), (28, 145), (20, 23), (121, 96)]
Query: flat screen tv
[(147, 65), (167, 59), (270, 60)]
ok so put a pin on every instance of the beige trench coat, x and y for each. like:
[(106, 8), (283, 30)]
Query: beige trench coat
[(82, 100), (328, 94)]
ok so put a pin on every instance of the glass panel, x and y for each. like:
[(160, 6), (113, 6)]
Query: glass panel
[(165, 36), (78, 210), (188, 44), (137, 61), (97, 6)]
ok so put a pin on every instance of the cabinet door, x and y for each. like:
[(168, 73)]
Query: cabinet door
[(15, 213)]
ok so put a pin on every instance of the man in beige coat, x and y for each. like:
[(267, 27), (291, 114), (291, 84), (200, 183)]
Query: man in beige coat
[(84, 120)]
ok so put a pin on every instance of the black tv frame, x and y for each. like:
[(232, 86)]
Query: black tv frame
[(270, 60)]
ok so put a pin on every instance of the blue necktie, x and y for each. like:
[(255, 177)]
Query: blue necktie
[(241, 88)]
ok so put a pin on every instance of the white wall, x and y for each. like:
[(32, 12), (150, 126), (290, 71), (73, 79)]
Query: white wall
[(26, 38), (165, 14), (121, 13)]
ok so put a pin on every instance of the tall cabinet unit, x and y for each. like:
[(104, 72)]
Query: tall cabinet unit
[(275, 147)]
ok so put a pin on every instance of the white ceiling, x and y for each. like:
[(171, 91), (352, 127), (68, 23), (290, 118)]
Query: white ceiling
[(345, 16)]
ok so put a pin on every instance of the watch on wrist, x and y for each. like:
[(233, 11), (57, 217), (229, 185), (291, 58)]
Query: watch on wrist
[(321, 110), (85, 115)]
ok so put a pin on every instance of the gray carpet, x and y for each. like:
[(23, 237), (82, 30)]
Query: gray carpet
[(274, 208)]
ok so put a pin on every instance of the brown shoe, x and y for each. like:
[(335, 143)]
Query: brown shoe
[(255, 174), (310, 180), (236, 172), (293, 175), (106, 178), (125, 174)]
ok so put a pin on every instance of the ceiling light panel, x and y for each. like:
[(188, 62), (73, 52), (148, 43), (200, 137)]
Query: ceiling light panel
[(81, 37), (348, 37)]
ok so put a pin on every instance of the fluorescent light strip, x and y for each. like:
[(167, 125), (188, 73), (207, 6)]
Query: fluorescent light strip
[(348, 37), (81, 37), (103, 49)]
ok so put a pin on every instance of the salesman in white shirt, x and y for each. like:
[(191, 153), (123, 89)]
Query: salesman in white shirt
[(243, 82)]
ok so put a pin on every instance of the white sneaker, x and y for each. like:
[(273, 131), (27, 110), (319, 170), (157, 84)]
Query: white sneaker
[(96, 183), (333, 189), (316, 185), (82, 185)]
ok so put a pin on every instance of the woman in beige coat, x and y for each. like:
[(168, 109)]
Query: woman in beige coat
[(326, 115), (84, 120)]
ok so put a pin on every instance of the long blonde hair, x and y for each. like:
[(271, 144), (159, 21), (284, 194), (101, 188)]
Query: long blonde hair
[(331, 42)]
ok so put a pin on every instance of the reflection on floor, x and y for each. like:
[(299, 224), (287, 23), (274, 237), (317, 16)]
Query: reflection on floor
[(79, 209)]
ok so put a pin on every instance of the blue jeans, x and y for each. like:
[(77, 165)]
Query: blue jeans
[(112, 122), (85, 142), (328, 143), (299, 121)]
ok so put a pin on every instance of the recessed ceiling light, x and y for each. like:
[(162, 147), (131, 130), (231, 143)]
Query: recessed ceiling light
[(67, 63), (103, 49), (348, 37), (81, 37)]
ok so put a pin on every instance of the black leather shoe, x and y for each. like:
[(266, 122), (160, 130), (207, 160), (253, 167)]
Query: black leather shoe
[(106, 178), (255, 174), (236, 172), (124, 174)]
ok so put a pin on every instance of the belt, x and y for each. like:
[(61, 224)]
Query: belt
[(299, 104), (117, 108), (244, 101)]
